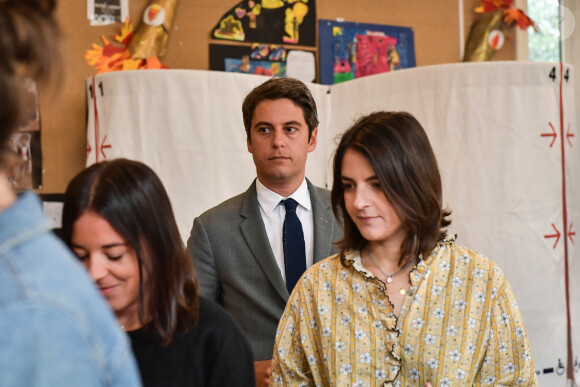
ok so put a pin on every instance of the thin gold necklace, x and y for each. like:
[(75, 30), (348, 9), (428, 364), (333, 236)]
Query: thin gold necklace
[(389, 276)]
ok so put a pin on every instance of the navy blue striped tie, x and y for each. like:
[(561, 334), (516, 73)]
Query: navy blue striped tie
[(294, 247)]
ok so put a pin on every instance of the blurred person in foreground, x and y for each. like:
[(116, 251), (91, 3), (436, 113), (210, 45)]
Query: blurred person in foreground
[(55, 329), (402, 303), (118, 220)]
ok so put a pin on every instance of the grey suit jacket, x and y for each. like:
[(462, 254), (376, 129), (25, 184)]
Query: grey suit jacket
[(236, 267)]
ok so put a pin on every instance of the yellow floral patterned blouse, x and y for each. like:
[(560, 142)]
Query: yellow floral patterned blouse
[(459, 326)]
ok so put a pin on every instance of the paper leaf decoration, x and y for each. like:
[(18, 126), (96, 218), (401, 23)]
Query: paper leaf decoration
[(109, 57)]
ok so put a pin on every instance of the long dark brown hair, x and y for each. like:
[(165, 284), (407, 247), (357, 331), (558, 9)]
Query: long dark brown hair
[(398, 149), (130, 196)]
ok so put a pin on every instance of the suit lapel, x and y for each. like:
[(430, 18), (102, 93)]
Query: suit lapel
[(254, 232), (323, 219)]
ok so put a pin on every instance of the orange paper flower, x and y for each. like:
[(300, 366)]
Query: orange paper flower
[(493, 5), (510, 13), (522, 20), (115, 58)]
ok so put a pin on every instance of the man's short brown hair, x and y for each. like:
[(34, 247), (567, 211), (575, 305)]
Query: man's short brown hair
[(278, 88)]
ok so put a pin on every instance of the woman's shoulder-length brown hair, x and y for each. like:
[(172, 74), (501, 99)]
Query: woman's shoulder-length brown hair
[(130, 196), (398, 149)]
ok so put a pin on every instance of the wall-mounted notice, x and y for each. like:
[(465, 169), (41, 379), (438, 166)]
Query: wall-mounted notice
[(102, 12)]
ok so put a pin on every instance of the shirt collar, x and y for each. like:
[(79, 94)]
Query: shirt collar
[(269, 199)]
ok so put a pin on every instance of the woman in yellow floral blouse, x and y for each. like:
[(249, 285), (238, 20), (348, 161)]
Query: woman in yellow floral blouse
[(402, 304)]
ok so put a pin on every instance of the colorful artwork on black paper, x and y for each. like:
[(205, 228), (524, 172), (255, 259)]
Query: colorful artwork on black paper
[(260, 59), (269, 21)]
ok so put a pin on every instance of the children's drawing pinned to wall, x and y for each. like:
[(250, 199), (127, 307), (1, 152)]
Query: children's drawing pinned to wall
[(353, 50), (372, 54), (102, 12), (23, 153), (269, 21), (263, 59)]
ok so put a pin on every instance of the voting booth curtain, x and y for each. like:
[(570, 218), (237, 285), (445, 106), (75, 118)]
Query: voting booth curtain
[(504, 134)]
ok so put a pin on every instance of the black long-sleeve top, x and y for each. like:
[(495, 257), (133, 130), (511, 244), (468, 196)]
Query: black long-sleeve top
[(214, 352)]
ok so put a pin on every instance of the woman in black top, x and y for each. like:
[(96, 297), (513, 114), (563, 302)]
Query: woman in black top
[(118, 220)]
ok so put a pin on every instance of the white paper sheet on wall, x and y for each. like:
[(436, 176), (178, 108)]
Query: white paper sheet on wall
[(103, 12), (301, 65)]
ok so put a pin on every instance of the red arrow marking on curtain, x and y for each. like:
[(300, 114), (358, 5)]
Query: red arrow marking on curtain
[(553, 134), (104, 146), (568, 135), (556, 235), (571, 233), (89, 149)]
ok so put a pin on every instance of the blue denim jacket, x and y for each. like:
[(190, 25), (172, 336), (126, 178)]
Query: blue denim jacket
[(55, 328)]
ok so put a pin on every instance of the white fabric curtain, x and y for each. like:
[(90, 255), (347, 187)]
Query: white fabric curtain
[(511, 180)]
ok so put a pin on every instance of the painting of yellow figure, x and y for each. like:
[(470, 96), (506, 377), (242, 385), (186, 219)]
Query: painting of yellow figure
[(269, 21), (294, 18)]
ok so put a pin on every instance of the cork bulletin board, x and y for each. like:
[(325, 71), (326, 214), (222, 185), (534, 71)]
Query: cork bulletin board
[(63, 106)]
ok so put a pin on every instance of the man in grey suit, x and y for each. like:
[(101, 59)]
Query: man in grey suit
[(237, 246)]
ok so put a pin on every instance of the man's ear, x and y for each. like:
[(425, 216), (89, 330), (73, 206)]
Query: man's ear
[(249, 145), (313, 138)]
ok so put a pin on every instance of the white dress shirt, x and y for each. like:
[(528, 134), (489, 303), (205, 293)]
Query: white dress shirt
[(273, 214)]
